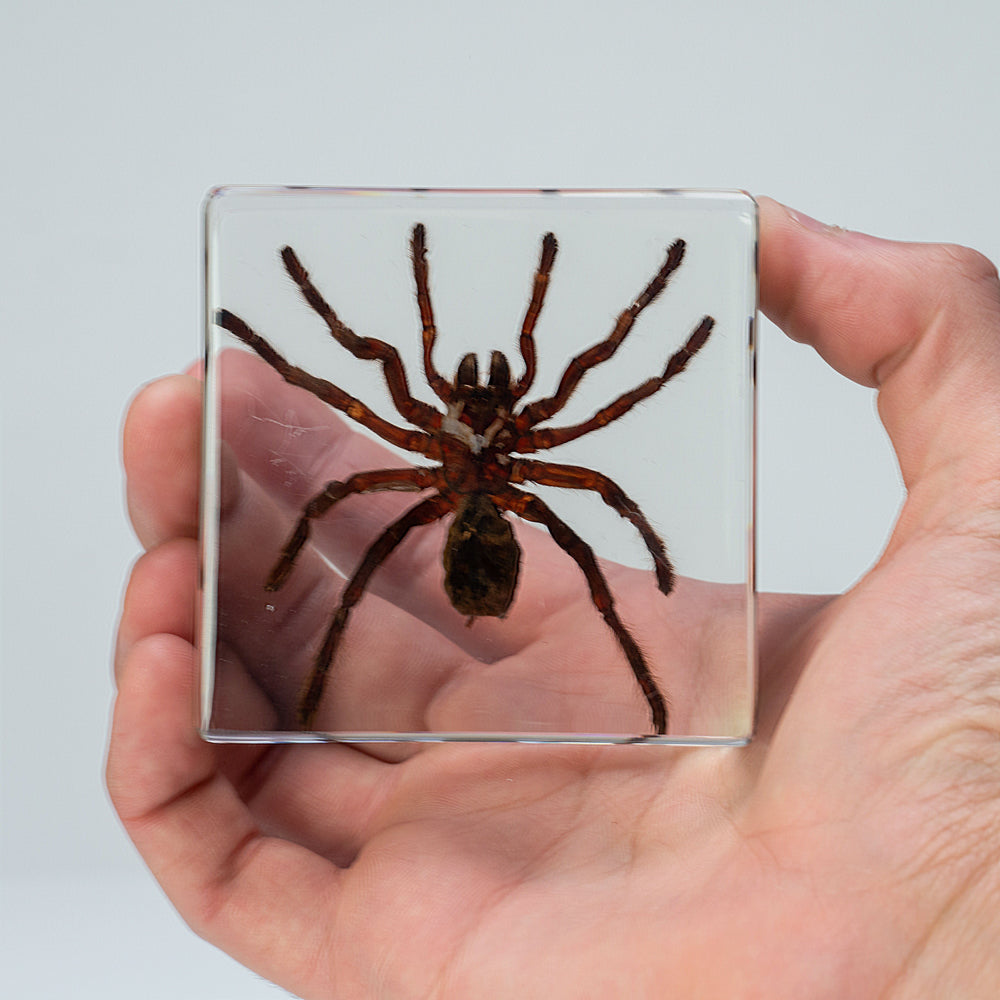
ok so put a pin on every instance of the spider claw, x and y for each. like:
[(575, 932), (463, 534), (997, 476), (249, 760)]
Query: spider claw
[(549, 247), (697, 339)]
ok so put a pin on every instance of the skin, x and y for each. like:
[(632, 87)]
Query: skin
[(852, 850)]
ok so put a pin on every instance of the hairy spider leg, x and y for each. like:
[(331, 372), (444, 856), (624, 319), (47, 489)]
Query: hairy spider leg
[(548, 255), (425, 512), (551, 437), (543, 409), (411, 480), (532, 508), (441, 387), (409, 440), (576, 477), (416, 411)]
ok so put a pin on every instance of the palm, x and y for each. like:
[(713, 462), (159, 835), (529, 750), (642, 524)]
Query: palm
[(468, 850), (489, 846), (850, 851)]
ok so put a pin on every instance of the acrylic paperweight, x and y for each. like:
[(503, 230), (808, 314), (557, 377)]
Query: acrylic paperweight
[(478, 465)]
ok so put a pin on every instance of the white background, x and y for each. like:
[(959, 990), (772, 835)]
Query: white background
[(117, 117)]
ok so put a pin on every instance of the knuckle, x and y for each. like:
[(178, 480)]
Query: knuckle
[(970, 288), (967, 263)]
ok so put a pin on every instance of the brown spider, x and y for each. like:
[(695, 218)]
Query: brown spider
[(473, 443)]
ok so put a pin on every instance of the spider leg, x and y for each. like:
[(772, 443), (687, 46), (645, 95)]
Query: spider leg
[(550, 437), (547, 258), (532, 508), (576, 477), (423, 513), (410, 440), (542, 409), (366, 348), (418, 252), (377, 480)]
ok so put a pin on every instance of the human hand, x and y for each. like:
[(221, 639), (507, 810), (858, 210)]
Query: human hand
[(850, 851)]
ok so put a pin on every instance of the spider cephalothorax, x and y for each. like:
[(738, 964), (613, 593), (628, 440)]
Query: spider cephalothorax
[(474, 444)]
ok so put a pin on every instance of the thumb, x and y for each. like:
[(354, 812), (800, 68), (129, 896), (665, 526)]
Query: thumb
[(919, 322)]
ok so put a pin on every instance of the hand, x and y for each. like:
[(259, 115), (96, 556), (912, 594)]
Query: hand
[(851, 850)]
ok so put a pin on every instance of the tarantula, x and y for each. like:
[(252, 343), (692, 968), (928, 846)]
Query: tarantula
[(473, 444)]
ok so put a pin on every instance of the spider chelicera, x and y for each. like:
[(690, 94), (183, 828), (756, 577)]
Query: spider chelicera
[(474, 444)]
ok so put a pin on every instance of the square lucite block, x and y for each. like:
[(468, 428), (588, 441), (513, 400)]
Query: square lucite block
[(549, 541)]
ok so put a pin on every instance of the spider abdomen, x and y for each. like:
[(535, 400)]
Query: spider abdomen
[(481, 559)]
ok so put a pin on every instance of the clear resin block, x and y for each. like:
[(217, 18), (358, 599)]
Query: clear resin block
[(478, 465)]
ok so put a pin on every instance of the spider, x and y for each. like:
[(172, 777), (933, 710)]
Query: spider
[(474, 441)]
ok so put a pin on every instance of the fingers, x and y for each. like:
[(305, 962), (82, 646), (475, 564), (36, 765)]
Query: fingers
[(161, 445), (159, 598), (159, 607), (261, 881), (919, 322), (244, 891)]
